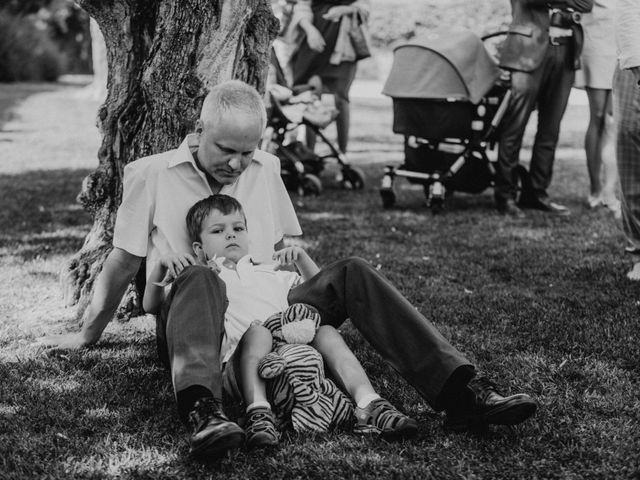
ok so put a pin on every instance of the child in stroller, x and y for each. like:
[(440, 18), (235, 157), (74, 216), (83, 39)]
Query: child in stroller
[(287, 110), (449, 97)]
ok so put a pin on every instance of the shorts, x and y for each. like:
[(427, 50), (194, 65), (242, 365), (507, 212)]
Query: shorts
[(229, 379)]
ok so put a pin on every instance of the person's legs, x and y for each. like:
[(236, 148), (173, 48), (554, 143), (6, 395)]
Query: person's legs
[(609, 164), (524, 89), (339, 86), (626, 106), (254, 345), (553, 96), (345, 369), (593, 141), (189, 331), (410, 343)]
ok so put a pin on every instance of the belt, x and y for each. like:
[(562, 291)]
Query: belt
[(555, 41)]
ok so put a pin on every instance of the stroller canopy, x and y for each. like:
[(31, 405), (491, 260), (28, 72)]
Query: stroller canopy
[(440, 65)]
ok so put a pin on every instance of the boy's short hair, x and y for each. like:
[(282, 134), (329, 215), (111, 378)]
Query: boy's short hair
[(201, 210)]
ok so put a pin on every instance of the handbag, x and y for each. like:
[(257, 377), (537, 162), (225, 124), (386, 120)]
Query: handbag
[(359, 36)]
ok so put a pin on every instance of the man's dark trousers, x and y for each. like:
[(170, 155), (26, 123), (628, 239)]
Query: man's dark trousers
[(548, 88)]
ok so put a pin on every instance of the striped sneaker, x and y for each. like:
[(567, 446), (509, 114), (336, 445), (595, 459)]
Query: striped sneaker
[(382, 418), (260, 429)]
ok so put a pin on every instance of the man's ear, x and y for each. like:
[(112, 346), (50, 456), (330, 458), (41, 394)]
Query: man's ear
[(199, 126)]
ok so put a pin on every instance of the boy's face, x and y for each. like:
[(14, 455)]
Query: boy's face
[(222, 236)]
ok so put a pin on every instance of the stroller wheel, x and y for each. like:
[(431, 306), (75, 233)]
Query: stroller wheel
[(352, 178), (310, 186), (388, 197)]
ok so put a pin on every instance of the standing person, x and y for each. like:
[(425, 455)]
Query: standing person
[(222, 158), (626, 112), (542, 50), (327, 54), (598, 63)]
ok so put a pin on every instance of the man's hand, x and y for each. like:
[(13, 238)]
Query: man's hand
[(175, 263), (63, 341)]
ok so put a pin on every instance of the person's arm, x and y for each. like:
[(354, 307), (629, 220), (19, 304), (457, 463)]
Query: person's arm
[(117, 272), (165, 271), (298, 257)]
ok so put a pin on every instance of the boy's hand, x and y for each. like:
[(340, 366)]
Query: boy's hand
[(175, 263), (287, 256)]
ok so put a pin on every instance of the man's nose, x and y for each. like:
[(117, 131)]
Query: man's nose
[(235, 162)]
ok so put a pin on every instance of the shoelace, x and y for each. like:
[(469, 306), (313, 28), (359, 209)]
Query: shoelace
[(483, 387), (260, 421)]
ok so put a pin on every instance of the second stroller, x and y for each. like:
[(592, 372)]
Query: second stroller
[(287, 110)]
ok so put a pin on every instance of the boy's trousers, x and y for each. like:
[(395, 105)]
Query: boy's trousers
[(193, 321)]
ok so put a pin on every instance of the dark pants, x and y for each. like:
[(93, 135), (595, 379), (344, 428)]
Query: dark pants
[(548, 88), (348, 288)]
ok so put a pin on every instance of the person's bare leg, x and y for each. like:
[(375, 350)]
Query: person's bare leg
[(260, 427), (255, 344), (593, 142), (374, 414), (343, 366), (609, 163)]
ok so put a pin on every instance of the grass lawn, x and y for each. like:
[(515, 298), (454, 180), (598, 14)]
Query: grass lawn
[(541, 304)]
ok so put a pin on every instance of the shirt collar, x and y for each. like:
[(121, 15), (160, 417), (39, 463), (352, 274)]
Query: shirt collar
[(184, 153)]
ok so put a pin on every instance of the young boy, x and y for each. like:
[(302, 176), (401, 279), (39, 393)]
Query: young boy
[(218, 229)]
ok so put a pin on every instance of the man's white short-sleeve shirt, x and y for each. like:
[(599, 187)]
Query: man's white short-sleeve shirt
[(159, 190), (255, 292)]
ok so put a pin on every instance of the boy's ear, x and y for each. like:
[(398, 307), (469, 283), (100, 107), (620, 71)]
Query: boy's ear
[(199, 251)]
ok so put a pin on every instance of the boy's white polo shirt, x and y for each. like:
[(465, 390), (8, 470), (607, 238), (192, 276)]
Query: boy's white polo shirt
[(255, 292), (159, 190)]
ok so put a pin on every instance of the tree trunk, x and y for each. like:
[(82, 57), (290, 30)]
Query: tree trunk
[(97, 89), (163, 57)]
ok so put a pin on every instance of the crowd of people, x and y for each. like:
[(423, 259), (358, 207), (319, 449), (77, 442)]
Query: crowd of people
[(211, 217)]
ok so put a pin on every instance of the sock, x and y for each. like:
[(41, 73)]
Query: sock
[(259, 403), (367, 399), (453, 394), (188, 397)]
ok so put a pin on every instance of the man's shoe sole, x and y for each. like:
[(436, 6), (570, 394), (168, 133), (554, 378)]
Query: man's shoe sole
[(219, 442), (516, 410)]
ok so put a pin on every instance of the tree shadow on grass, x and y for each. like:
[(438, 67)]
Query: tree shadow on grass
[(39, 213)]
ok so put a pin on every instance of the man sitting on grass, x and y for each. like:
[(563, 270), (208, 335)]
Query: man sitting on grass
[(218, 228), (221, 157)]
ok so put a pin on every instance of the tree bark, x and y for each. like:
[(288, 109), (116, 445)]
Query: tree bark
[(163, 57)]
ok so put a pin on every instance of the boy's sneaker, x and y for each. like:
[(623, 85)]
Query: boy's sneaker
[(382, 418), (212, 433), (260, 428)]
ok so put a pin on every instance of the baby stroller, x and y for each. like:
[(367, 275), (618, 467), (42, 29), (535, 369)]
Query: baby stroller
[(448, 99), (288, 109)]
